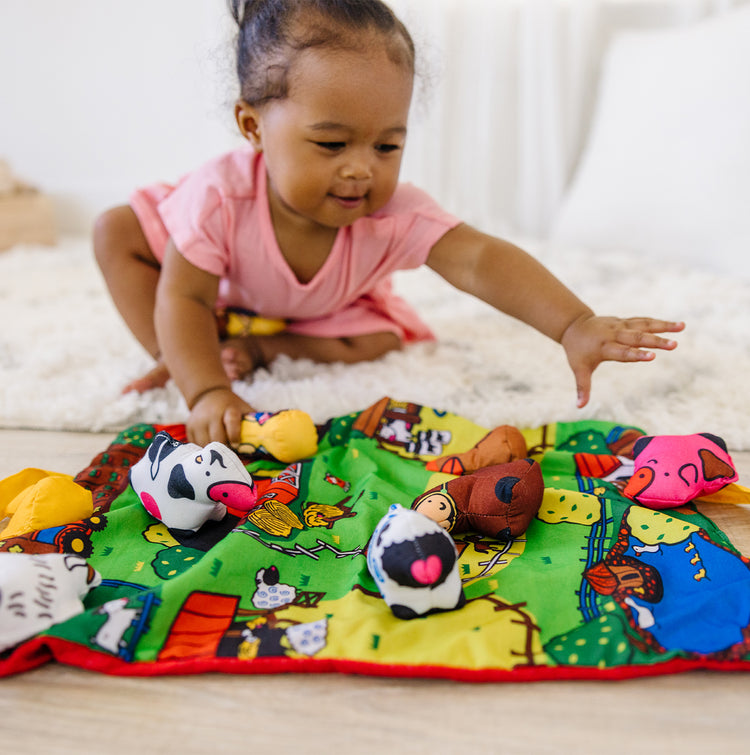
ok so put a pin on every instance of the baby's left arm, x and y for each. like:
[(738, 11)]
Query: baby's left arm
[(512, 281)]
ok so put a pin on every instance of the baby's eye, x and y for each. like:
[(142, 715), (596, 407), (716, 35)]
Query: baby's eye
[(332, 146), (387, 148)]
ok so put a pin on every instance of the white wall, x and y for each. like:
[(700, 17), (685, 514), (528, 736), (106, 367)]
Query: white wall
[(98, 97)]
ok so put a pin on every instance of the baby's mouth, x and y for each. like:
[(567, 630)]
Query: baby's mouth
[(349, 203)]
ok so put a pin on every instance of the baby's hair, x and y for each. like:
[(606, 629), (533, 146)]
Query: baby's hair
[(270, 37)]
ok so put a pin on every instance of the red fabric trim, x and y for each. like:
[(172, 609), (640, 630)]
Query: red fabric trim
[(41, 650)]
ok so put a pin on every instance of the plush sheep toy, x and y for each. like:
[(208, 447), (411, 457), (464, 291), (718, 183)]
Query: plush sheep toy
[(38, 590), (414, 563), (184, 485)]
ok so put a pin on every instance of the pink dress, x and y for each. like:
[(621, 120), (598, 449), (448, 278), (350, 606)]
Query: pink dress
[(220, 221)]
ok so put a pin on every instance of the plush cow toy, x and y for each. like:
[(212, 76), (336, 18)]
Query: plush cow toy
[(184, 485), (671, 470), (414, 563)]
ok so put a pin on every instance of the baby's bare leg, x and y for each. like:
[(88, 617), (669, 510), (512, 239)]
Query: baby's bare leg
[(131, 272), (241, 356)]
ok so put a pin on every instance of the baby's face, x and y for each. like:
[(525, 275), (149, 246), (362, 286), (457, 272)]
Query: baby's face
[(333, 147)]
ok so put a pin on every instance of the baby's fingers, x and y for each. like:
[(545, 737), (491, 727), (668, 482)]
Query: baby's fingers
[(231, 424), (650, 325), (620, 352), (634, 346), (583, 386), (642, 334)]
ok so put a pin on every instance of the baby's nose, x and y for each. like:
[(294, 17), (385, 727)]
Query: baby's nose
[(356, 168)]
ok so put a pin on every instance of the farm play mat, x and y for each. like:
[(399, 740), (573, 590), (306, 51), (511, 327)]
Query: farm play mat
[(597, 587)]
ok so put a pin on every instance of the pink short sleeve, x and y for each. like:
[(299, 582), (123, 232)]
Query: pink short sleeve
[(418, 223), (193, 219), (202, 212)]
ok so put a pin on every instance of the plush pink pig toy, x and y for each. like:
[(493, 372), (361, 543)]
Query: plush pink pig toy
[(671, 470)]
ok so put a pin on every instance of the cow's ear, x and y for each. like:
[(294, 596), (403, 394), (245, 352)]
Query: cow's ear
[(153, 453), (640, 444), (161, 446), (178, 486)]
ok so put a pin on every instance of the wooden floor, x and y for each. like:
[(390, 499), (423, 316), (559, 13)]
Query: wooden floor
[(57, 709)]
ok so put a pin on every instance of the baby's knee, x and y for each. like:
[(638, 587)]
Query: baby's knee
[(389, 341), (374, 345), (109, 228), (117, 232)]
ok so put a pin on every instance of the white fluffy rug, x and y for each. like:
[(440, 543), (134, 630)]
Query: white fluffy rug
[(65, 354)]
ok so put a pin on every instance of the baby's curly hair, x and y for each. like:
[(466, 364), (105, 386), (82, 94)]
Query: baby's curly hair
[(273, 32)]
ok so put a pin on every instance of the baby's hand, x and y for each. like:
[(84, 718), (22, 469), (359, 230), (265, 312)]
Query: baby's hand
[(216, 416), (590, 340)]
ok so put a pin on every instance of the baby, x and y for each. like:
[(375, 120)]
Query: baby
[(305, 227)]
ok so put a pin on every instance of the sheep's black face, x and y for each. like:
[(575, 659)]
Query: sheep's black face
[(423, 561)]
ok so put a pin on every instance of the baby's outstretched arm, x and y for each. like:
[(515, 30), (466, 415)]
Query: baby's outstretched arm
[(512, 281), (189, 343)]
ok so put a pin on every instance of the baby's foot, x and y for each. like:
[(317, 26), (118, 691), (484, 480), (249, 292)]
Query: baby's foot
[(237, 357), (154, 378)]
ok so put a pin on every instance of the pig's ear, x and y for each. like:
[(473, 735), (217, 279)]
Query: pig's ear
[(715, 468), (720, 442), (640, 444)]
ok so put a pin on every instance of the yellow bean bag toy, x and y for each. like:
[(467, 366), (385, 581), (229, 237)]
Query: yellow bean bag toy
[(288, 435), (35, 499)]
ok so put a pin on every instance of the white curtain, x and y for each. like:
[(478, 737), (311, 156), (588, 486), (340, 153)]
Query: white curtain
[(505, 96)]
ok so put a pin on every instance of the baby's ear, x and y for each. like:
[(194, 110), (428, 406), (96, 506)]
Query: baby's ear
[(248, 122)]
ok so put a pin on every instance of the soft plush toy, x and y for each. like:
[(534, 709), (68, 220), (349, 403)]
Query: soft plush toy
[(288, 435), (671, 470), (35, 499), (499, 446), (499, 501), (184, 485), (235, 322), (415, 564), (39, 590)]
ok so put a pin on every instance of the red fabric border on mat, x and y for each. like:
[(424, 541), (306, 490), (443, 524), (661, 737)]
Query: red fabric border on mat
[(41, 650)]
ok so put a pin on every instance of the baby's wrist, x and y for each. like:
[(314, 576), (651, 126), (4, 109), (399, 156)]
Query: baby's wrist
[(580, 317), (200, 395)]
